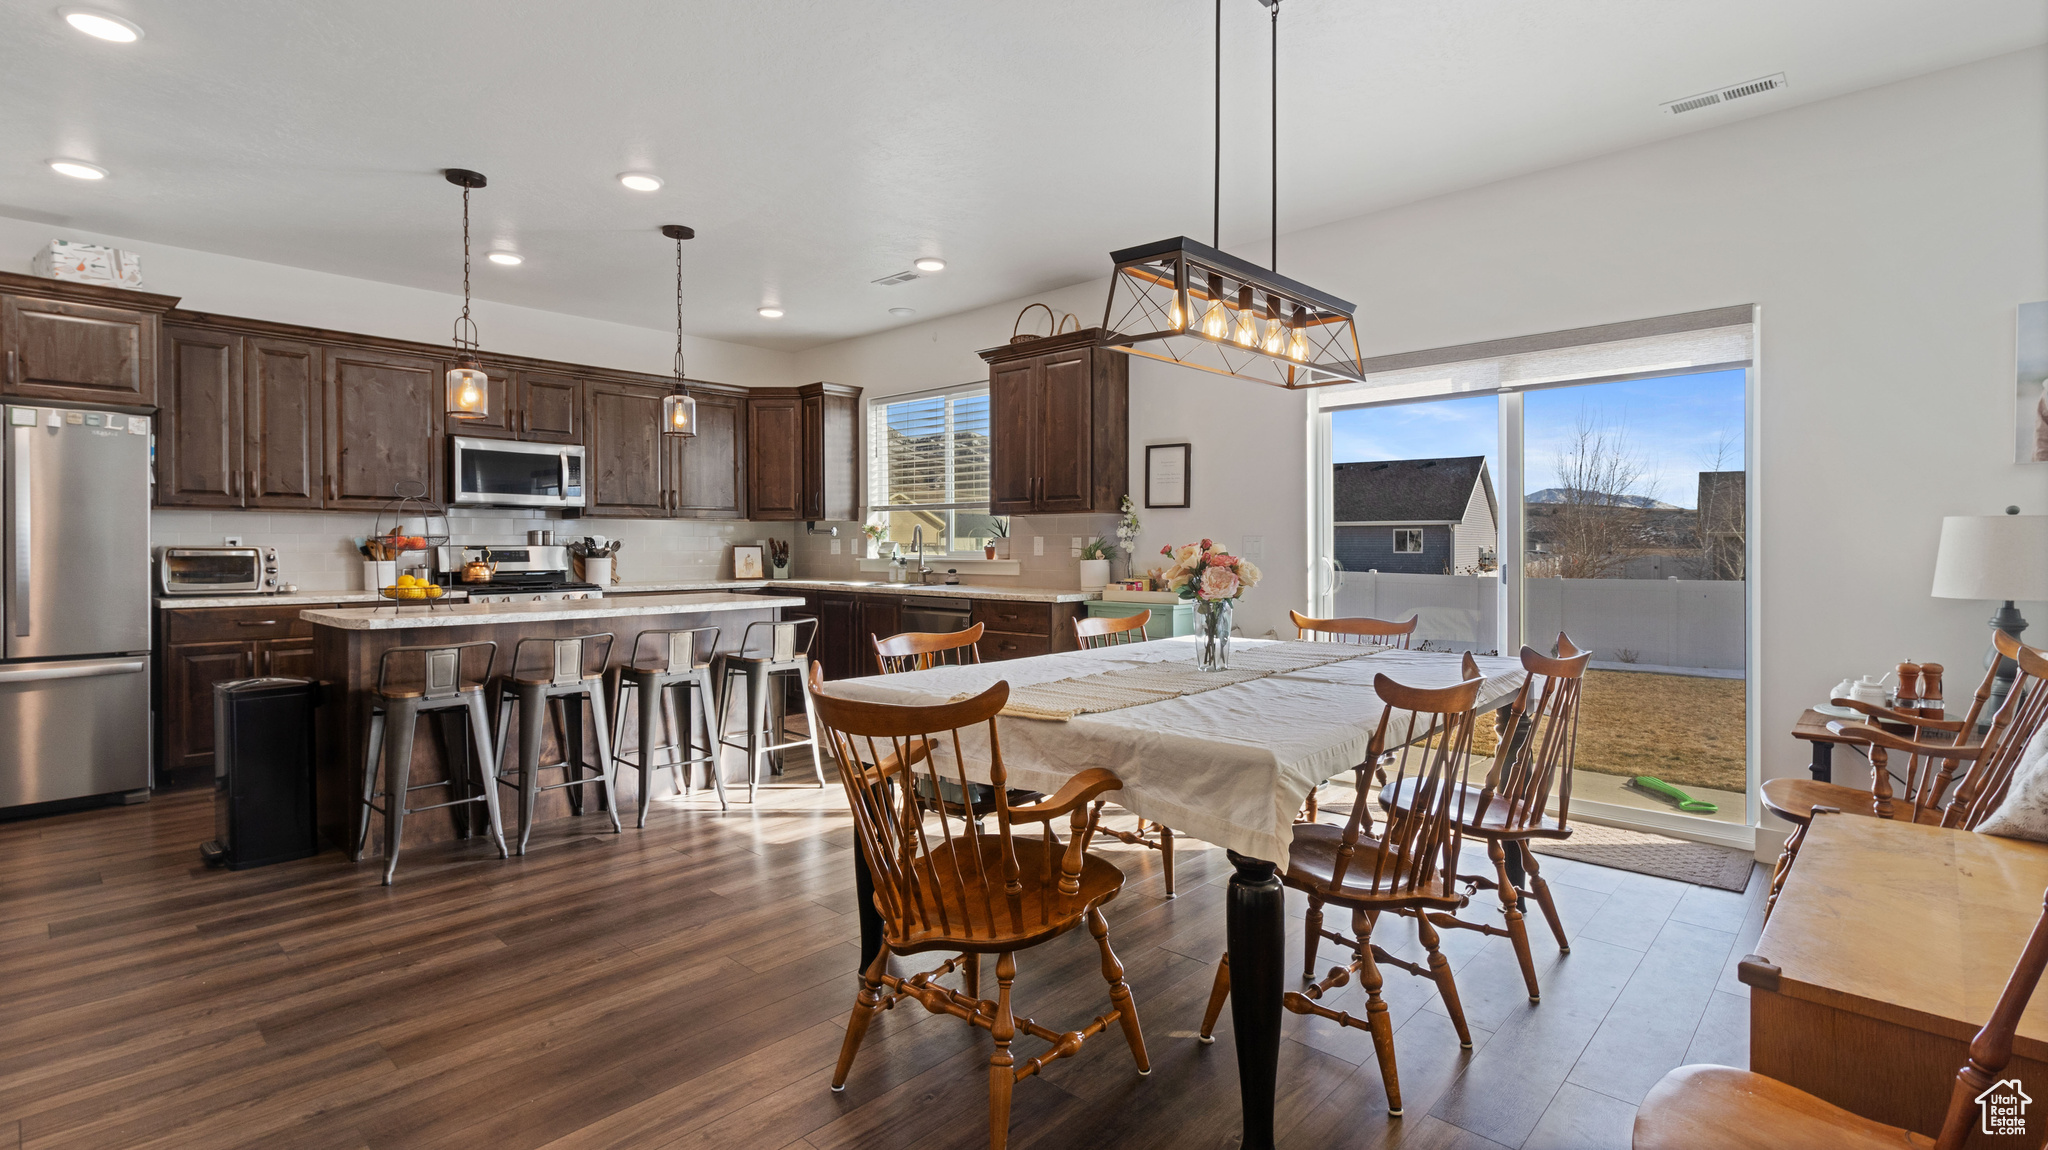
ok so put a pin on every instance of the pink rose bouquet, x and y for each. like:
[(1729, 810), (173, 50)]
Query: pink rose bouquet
[(1207, 573)]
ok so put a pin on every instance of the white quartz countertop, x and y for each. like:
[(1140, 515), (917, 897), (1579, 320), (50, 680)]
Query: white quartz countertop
[(486, 614), (957, 591)]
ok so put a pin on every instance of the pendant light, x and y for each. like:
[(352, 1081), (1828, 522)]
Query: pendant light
[(679, 408), (1196, 305), (469, 388)]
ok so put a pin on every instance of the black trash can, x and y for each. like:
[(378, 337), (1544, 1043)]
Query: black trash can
[(263, 772)]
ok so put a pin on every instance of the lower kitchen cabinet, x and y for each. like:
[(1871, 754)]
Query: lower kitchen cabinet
[(200, 646), (848, 623)]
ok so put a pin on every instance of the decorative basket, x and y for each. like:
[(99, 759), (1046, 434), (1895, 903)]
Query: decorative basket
[(1027, 337)]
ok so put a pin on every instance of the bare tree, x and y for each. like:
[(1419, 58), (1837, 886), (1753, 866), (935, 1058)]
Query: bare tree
[(1599, 519), (1722, 521)]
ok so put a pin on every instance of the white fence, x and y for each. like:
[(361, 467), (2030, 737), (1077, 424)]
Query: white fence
[(1655, 622)]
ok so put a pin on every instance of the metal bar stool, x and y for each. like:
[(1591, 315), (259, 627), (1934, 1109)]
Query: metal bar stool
[(769, 652), (674, 663), (395, 710), (558, 691)]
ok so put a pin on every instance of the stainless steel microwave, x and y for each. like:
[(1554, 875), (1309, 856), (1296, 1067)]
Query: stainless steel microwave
[(210, 571), (504, 473)]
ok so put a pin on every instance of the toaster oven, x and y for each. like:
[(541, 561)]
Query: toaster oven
[(210, 571)]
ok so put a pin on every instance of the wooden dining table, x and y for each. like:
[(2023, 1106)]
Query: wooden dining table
[(1231, 766)]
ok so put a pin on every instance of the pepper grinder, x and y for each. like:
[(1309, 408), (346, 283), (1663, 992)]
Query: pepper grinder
[(1931, 706)]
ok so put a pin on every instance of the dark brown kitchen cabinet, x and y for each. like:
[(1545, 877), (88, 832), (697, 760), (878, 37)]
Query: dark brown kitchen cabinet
[(199, 439), (1059, 425), (79, 342), (240, 421), (775, 468), (879, 617), (707, 476), (625, 451), (803, 452), (837, 613), (282, 442), (383, 421), (200, 646), (538, 407)]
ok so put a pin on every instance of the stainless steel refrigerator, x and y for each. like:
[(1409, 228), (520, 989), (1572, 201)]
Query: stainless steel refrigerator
[(74, 603)]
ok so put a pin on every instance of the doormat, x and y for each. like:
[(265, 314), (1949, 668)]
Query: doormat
[(1703, 864)]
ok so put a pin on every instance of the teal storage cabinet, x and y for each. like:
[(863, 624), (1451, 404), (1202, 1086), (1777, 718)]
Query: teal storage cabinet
[(1168, 619)]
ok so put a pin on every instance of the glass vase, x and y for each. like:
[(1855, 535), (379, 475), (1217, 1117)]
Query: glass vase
[(1212, 627)]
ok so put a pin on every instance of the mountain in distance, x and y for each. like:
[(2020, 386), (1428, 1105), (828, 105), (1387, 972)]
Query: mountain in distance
[(1557, 495)]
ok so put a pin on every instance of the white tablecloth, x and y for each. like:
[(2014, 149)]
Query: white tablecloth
[(1230, 766)]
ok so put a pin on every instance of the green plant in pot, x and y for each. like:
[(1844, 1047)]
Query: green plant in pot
[(998, 545), (1095, 565)]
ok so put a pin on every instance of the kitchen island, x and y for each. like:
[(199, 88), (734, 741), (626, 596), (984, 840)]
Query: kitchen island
[(349, 642)]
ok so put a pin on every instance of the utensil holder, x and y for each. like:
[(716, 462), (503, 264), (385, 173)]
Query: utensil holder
[(379, 573), (598, 571)]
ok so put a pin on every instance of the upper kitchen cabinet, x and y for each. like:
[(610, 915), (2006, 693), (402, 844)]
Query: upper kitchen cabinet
[(240, 421), (80, 342), (1059, 436), (383, 417), (831, 454), (803, 453), (775, 466), (708, 471), (539, 407), (624, 450)]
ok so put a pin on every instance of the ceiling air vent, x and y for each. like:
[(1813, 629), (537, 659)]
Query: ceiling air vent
[(899, 278), (1723, 95)]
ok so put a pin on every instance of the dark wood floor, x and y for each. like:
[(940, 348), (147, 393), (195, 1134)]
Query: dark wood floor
[(642, 990)]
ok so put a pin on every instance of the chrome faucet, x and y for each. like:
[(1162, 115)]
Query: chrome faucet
[(917, 543)]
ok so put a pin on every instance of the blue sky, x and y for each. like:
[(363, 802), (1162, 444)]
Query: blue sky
[(1672, 425)]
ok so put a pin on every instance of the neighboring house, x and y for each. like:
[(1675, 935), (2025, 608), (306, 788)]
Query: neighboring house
[(1415, 516)]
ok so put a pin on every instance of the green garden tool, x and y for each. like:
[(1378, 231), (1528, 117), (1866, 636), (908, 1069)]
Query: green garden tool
[(1664, 790)]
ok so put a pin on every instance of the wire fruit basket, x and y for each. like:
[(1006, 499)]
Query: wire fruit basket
[(390, 543)]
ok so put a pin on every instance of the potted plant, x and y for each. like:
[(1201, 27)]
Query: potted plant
[(998, 546), (1095, 565), (1214, 579)]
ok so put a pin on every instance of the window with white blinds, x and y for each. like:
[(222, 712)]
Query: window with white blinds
[(928, 468)]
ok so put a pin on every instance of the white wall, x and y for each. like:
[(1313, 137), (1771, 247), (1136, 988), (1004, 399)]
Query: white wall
[(1887, 234)]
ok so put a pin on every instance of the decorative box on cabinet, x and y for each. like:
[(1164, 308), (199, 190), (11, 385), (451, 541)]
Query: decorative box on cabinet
[(1059, 434)]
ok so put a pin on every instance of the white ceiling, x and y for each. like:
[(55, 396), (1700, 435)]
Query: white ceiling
[(817, 145)]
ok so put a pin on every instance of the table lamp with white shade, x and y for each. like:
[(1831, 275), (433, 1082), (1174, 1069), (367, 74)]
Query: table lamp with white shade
[(1997, 557)]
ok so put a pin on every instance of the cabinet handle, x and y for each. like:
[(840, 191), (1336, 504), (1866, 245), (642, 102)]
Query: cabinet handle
[(255, 622), (13, 366)]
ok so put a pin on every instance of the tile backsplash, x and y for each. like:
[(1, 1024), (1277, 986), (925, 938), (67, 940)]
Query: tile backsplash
[(316, 550)]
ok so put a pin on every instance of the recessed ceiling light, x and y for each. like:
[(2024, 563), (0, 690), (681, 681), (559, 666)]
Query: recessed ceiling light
[(902, 311), (930, 264), (509, 259), (78, 169), (640, 181), (101, 25), (771, 313)]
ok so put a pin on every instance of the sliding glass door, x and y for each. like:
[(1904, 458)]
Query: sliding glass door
[(1604, 503), (1635, 546)]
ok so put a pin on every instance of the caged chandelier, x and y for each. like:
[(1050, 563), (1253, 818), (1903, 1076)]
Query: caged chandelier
[(1193, 304)]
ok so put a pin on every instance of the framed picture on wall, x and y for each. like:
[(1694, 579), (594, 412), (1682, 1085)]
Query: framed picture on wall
[(1168, 473), (746, 561), (2032, 425)]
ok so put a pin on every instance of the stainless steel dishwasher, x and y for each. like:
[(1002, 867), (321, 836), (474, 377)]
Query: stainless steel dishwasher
[(926, 613)]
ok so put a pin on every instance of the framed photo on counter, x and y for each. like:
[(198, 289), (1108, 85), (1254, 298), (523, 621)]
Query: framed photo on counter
[(746, 561), (1168, 474)]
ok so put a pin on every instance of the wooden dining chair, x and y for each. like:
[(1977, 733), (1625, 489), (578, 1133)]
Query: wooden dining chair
[(1092, 634), (1732, 1109), (1360, 630), (1106, 632), (1406, 865), (966, 894), (923, 650), (1372, 632), (1931, 761), (1539, 735)]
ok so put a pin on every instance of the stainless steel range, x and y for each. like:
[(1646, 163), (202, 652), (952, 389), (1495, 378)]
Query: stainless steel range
[(524, 573)]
